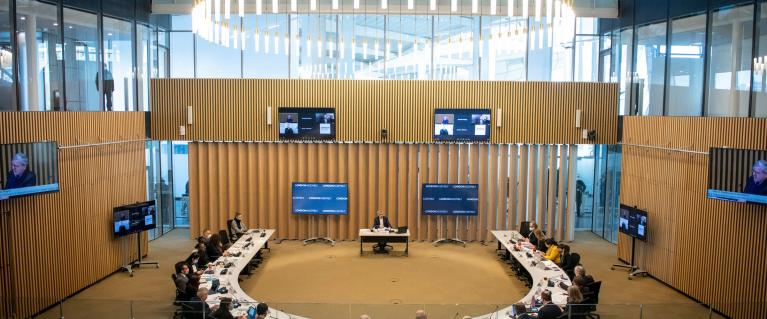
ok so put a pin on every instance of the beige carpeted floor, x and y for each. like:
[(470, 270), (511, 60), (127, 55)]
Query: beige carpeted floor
[(335, 282)]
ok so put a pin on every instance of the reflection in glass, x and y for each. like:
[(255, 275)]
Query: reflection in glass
[(760, 78), (182, 54), (210, 56), (729, 76), (267, 46), (144, 57), (684, 93), (81, 46), (40, 56), (539, 51), (161, 64), (502, 49), (624, 52), (118, 65), (364, 58), (409, 50), (315, 45), (7, 87), (455, 56), (649, 69)]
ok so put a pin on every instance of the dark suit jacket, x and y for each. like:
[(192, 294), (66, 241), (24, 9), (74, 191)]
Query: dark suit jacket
[(222, 314), (26, 179), (549, 311), (753, 188), (377, 224), (199, 307), (567, 262)]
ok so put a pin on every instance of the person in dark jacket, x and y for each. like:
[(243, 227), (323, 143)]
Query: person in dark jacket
[(757, 182), (548, 310), (199, 305), (20, 176)]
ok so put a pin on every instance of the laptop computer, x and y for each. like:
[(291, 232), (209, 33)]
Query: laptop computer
[(401, 229)]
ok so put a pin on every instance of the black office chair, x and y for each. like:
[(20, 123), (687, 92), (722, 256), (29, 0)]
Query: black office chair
[(224, 238), (232, 236), (575, 311), (592, 299), (575, 260)]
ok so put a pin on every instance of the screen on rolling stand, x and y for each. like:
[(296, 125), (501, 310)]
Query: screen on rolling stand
[(320, 198), (462, 125), (633, 222), (303, 123), (450, 199), (134, 218)]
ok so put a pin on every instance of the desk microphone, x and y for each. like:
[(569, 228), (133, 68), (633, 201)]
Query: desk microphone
[(456, 315), (495, 312)]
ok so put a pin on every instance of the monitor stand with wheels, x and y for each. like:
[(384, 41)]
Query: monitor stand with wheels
[(633, 268), (454, 240), (139, 262), (319, 239)]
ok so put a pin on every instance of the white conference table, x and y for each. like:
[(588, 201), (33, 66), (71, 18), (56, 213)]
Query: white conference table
[(247, 245), (541, 272), (374, 236)]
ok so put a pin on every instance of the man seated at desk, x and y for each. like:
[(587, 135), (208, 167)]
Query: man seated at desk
[(381, 222)]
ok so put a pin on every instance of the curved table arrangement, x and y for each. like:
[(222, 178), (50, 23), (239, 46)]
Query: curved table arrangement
[(542, 271)]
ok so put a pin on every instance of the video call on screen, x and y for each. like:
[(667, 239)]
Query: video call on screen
[(462, 124), (307, 123), (738, 175)]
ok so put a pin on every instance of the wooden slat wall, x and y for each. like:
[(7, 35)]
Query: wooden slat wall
[(236, 109), (69, 232), (708, 249), (380, 176)]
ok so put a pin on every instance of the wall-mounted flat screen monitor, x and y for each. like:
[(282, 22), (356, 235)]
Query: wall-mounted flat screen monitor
[(134, 218), (450, 199), (737, 175), (307, 123), (462, 124), (30, 168), (633, 222), (320, 198)]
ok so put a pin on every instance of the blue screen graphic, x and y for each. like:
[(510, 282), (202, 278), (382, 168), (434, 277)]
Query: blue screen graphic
[(320, 199), (450, 199)]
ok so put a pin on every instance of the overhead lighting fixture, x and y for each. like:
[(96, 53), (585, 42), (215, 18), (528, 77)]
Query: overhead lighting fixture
[(385, 4), (510, 8), (432, 5), (313, 5), (227, 9), (334, 4), (453, 5), (217, 9), (275, 6), (241, 7), (549, 11), (357, 4), (257, 40), (525, 8), (410, 4), (474, 6), (259, 7), (537, 10), (493, 6)]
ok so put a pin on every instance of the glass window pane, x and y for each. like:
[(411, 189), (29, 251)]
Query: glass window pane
[(181, 55), (624, 57), (649, 69), (118, 65), (81, 53), (729, 75), (539, 51), (364, 59), (39, 56), (561, 36), (502, 49), (316, 45), (210, 54), (144, 57), (587, 57), (760, 78), (7, 87), (406, 57), (161, 65), (267, 46), (685, 74), (454, 51)]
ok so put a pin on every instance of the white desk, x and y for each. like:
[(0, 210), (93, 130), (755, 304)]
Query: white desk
[(538, 272), (229, 280), (369, 236)]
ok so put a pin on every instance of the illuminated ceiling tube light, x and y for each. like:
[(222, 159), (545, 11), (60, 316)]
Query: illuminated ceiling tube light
[(334, 5), (525, 8), (227, 9), (236, 34), (217, 9), (453, 5), (558, 9), (537, 10), (493, 7), (549, 11), (259, 7), (510, 8), (294, 5), (410, 4), (341, 47), (313, 5), (357, 4), (241, 8), (257, 40), (287, 44), (308, 46), (432, 5), (384, 4), (474, 6), (242, 38), (266, 41), (275, 6), (276, 43)]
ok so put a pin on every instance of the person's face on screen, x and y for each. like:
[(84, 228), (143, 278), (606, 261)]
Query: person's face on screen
[(18, 167), (759, 173)]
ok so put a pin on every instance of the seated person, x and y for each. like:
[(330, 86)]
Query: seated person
[(520, 311), (262, 310), (182, 278), (575, 307), (199, 305), (581, 272), (225, 310), (20, 176), (420, 314), (215, 249), (757, 182), (548, 310), (552, 251), (381, 222), (238, 227), (579, 282), (200, 258), (538, 239)]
